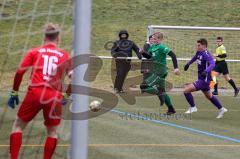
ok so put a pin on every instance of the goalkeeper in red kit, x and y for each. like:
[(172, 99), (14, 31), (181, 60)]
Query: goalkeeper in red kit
[(41, 95)]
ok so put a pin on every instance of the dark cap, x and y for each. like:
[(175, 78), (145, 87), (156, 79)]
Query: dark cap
[(123, 32)]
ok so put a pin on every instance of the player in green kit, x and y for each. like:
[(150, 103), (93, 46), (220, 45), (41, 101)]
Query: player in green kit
[(155, 83)]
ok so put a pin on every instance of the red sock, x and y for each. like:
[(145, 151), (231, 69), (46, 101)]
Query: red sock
[(49, 147), (15, 144)]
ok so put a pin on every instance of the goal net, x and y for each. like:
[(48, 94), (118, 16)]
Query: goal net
[(21, 23), (182, 40)]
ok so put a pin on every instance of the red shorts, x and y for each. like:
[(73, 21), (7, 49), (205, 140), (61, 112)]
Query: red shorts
[(41, 98)]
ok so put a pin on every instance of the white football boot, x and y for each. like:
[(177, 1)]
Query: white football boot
[(221, 112), (191, 110)]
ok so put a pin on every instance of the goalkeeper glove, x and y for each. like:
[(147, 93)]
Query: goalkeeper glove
[(13, 99), (186, 67)]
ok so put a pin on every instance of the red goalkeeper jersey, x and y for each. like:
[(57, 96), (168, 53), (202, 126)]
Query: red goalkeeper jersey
[(46, 62)]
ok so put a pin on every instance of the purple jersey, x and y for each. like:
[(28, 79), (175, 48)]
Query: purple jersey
[(205, 63)]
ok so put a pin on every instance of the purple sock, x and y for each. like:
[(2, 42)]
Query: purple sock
[(216, 102), (190, 99)]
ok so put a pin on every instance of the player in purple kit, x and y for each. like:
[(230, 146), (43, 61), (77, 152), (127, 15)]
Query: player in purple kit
[(205, 65)]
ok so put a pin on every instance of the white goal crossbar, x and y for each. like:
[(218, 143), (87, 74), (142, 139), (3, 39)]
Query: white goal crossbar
[(152, 27)]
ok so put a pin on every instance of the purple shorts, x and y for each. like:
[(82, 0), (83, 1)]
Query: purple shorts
[(201, 85)]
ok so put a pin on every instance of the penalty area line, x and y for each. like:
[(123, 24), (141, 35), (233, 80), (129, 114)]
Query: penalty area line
[(177, 126)]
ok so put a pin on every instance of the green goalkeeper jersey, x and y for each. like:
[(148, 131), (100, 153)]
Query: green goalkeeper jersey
[(159, 54)]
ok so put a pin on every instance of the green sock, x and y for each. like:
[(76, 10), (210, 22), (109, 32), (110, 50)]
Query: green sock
[(168, 101)]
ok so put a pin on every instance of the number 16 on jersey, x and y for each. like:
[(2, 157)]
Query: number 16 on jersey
[(49, 66)]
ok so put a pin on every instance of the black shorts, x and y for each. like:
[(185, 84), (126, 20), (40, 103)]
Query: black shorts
[(221, 67)]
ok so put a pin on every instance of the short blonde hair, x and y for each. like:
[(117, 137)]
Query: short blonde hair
[(51, 28), (158, 35), (51, 31)]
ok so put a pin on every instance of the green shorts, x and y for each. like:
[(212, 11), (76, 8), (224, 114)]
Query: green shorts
[(156, 80)]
